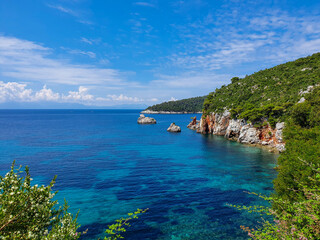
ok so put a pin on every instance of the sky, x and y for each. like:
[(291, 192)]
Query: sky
[(132, 54)]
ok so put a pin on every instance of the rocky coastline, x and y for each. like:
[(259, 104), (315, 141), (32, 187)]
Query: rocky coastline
[(239, 130)]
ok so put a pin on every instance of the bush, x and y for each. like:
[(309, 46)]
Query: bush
[(29, 212), (292, 220)]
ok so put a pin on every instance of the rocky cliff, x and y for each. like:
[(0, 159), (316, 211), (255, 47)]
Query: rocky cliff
[(238, 129)]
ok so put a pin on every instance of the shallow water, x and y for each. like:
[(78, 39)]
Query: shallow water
[(108, 165)]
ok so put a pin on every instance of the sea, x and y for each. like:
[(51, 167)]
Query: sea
[(107, 165)]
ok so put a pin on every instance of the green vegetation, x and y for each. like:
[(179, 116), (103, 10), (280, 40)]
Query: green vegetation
[(296, 203), (270, 93), (302, 136), (114, 231), (29, 212), (185, 105)]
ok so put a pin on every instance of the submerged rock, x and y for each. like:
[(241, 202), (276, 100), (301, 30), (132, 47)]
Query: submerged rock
[(174, 128), (146, 120)]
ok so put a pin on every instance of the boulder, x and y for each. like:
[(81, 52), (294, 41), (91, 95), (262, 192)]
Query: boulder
[(146, 120), (174, 128)]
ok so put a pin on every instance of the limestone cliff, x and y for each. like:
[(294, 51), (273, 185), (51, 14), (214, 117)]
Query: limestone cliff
[(238, 129)]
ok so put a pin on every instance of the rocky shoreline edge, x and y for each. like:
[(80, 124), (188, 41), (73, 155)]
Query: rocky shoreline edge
[(165, 112), (239, 130)]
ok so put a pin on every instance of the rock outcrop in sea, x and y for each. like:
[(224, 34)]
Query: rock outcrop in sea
[(239, 130), (146, 120), (174, 128), (194, 124)]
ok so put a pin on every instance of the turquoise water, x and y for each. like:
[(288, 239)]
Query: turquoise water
[(108, 165)]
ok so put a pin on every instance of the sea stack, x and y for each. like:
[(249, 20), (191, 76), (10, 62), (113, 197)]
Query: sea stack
[(146, 120), (174, 128)]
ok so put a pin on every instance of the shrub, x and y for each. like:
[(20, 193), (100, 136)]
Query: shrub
[(292, 220), (29, 212)]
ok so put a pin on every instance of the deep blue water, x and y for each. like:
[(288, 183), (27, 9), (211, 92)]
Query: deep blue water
[(108, 165)]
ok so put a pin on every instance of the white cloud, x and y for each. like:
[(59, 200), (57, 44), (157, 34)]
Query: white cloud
[(64, 10), (86, 53), (122, 97), (86, 40), (243, 36), (90, 41), (78, 15), (46, 94), (26, 60), (145, 4), (190, 80), (18, 92), (81, 95), (13, 91)]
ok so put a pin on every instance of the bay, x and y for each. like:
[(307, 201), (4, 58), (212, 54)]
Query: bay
[(108, 165)]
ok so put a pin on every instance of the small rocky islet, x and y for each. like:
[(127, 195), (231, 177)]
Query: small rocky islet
[(146, 120), (174, 128)]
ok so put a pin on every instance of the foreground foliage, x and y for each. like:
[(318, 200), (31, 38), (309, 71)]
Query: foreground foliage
[(115, 230), (292, 220), (29, 212)]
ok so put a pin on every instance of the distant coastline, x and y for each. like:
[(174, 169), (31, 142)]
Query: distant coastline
[(166, 112)]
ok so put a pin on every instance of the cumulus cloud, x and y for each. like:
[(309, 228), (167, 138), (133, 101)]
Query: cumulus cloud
[(13, 91), (46, 94), (80, 95), (20, 92)]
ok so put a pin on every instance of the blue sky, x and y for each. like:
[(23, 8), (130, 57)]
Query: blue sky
[(56, 53)]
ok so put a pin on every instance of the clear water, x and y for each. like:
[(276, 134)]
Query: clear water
[(108, 165)]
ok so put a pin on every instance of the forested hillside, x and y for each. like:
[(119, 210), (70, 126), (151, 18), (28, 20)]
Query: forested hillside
[(185, 105), (269, 93)]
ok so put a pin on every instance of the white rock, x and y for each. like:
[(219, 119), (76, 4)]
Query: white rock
[(248, 135), (234, 127), (279, 130), (146, 120), (174, 128), (281, 147), (302, 100)]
